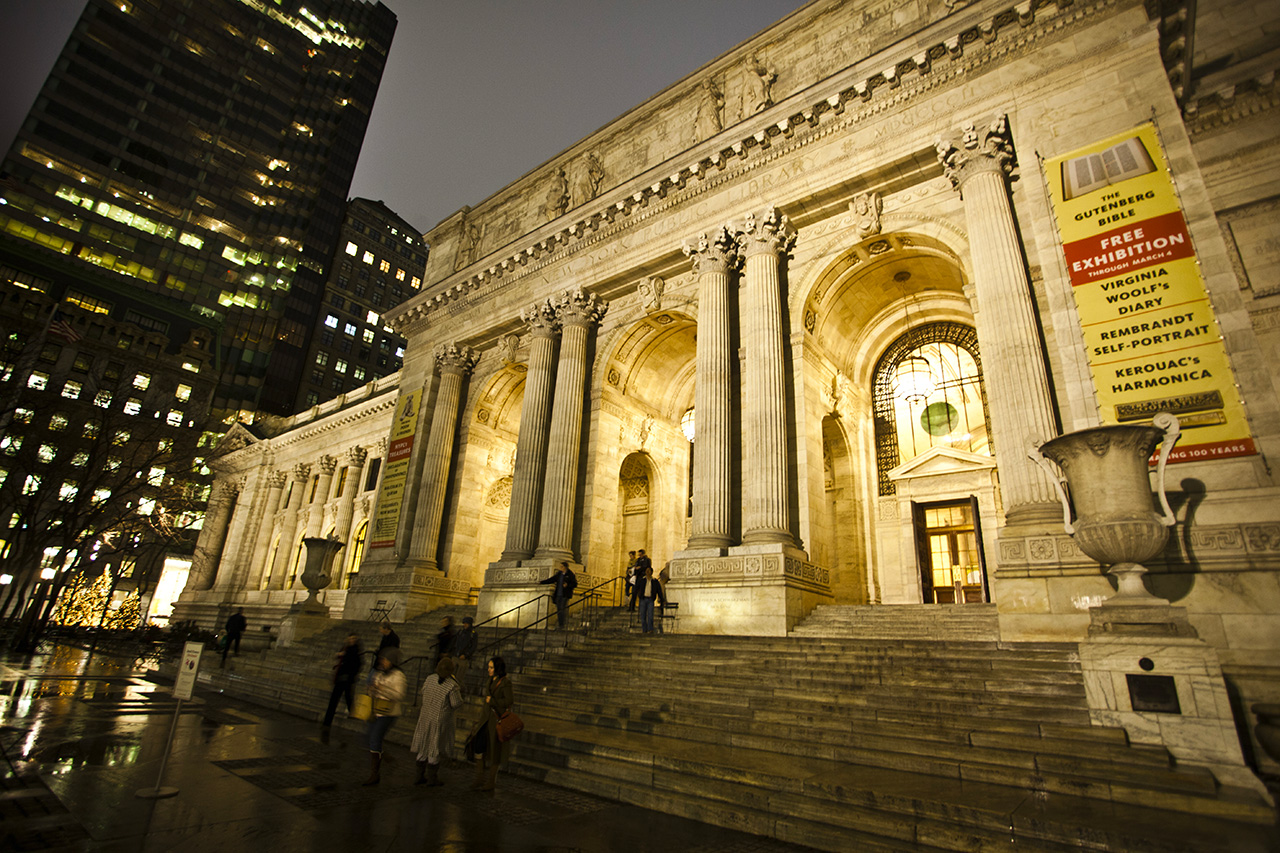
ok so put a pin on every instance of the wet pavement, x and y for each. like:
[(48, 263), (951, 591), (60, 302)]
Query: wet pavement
[(82, 734)]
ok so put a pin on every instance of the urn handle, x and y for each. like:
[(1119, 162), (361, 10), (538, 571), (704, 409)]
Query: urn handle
[(1172, 430), (1037, 457)]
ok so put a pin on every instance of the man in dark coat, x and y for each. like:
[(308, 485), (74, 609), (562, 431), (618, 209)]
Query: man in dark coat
[(236, 624), (649, 589), (565, 582), (642, 564), (345, 673), (390, 639), (465, 643)]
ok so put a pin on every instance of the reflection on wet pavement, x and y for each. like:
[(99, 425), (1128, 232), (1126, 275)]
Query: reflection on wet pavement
[(81, 734)]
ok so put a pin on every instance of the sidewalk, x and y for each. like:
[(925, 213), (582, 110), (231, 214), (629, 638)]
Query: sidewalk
[(81, 735)]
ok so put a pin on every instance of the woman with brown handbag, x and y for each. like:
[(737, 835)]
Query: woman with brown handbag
[(387, 690), (499, 699)]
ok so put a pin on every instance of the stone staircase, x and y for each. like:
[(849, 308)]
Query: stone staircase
[(865, 744), (903, 622)]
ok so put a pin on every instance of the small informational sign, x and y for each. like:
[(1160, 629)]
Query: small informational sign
[(386, 515), (1153, 341), (185, 685)]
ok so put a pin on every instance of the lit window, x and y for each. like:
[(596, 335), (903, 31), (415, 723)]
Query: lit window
[(236, 256), (142, 381), (68, 491), (31, 485), (101, 495), (351, 330), (399, 352), (146, 506), (80, 460), (191, 240), (367, 258), (322, 358), (371, 318), (38, 381), (417, 282), (331, 321), (155, 476), (121, 437), (133, 406), (368, 336), (340, 366), (183, 393), (102, 399), (46, 453), (352, 249), (71, 390), (90, 429), (11, 444), (58, 423), (174, 418), (22, 416), (191, 366), (358, 374), (399, 275), (384, 266), (113, 463)]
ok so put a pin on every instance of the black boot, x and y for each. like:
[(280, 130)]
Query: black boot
[(422, 774), (433, 775), (375, 767)]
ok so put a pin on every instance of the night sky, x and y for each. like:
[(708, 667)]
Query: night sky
[(476, 92)]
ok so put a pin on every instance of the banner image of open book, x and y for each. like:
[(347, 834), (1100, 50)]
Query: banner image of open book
[(1128, 159)]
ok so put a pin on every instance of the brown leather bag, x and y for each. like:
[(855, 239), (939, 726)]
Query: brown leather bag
[(509, 725)]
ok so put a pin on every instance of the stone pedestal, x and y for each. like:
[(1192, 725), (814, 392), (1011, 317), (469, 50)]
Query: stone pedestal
[(409, 591), (1146, 671), (756, 590), (511, 583), (301, 624)]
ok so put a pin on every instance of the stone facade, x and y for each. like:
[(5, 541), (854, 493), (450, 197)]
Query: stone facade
[(752, 244)]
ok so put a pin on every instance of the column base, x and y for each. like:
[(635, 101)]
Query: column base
[(755, 590), (404, 593)]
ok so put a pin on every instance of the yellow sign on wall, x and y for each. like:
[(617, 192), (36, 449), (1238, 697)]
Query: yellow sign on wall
[(386, 516), (1153, 341)]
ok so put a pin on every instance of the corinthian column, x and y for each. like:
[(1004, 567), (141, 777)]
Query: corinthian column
[(978, 161), (579, 312), (356, 457), (315, 521), (764, 512), (213, 535), (266, 524), (454, 363), (713, 257), (289, 527), (531, 444)]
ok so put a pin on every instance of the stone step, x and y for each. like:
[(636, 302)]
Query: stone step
[(838, 805), (939, 622)]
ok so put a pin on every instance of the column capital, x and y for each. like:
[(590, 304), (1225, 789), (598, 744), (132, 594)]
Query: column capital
[(356, 455), (541, 319), (226, 489), (327, 464), (977, 149), (451, 358), (302, 472), (714, 252), (770, 231), (276, 479), (577, 307)]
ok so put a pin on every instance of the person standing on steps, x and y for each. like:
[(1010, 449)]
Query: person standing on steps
[(565, 583), (629, 575), (649, 590), (464, 649), (444, 640), (434, 735), (642, 563), (345, 673), (236, 625), (387, 690), (498, 700)]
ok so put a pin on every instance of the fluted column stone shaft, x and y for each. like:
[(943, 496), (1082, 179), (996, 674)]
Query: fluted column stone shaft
[(713, 258), (978, 161), (531, 444), (213, 535), (266, 524), (765, 516), (315, 521), (289, 527), (454, 363), (356, 457), (579, 313)]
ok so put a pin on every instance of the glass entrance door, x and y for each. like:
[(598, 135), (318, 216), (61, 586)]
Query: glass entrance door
[(949, 549)]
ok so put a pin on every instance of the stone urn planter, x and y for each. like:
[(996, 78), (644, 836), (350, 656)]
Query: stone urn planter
[(316, 572), (1106, 469)]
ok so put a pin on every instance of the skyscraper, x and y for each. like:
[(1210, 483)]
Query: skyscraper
[(201, 153)]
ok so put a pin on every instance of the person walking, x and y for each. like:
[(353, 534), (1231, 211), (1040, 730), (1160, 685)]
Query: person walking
[(345, 673), (236, 625), (387, 690), (464, 649), (628, 574), (499, 697), (390, 639), (444, 640), (565, 583), (650, 588), (433, 738)]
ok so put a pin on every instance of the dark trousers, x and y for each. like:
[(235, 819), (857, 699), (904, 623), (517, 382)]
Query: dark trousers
[(342, 688), (231, 638), (561, 615)]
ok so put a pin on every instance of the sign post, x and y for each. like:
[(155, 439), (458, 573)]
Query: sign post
[(183, 688)]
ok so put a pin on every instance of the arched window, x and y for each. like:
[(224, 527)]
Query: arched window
[(357, 555), (928, 392), (299, 554)]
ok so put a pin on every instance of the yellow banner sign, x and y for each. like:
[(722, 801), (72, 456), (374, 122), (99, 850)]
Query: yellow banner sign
[(386, 515), (1152, 338)]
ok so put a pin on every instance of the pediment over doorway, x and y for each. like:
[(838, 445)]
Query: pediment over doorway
[(942, 461)]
